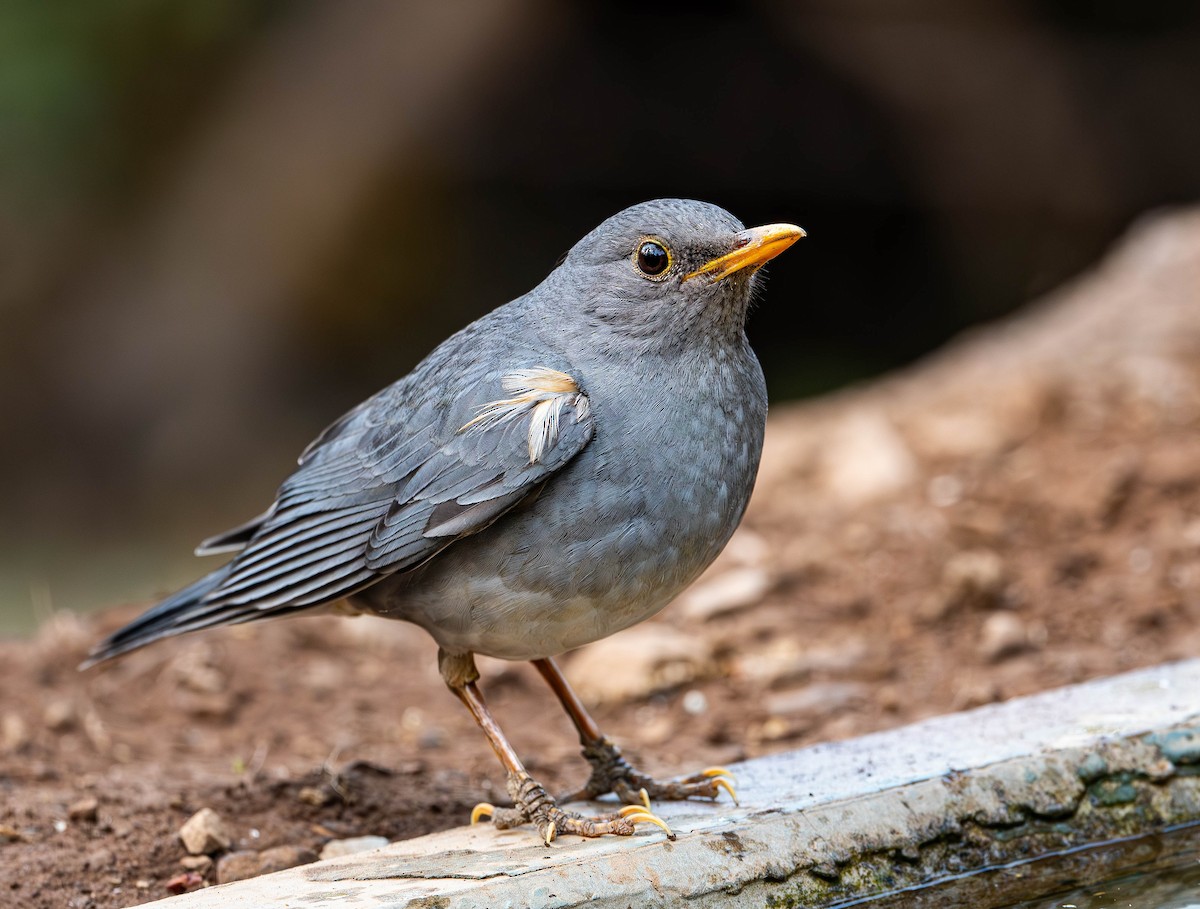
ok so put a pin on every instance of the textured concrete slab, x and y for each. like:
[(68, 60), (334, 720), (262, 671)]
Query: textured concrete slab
[(824, 824)]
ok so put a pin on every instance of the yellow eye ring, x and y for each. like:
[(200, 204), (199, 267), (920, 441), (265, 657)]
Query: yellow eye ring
[(652, 258)]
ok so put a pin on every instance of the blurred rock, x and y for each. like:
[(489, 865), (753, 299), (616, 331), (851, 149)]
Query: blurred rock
[(59, 715), (278, 858), (736, 589), (1002, 634), (639, 662), (788, 660), (241, 865), (14, 733), (237, 866), (312, 795), (84, 810), (204, 833), (694, 702), (818, 699), (197, 863), (746, 547), (975, 693), (180, 883), (865, 458), (973, 578)]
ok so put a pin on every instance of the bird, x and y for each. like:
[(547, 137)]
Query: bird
[(554, 472)]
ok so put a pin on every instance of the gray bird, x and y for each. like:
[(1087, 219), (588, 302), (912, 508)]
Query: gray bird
[(558, 470)]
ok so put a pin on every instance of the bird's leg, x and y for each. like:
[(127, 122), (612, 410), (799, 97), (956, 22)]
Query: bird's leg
[(611, 772), (532, 803)]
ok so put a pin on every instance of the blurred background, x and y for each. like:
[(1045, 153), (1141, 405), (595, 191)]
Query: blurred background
[(224, 223)]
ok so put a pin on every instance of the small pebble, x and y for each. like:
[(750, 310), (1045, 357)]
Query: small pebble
[(311, 795), (204, 833), (14, 734), (695, 703), (1001, 635), (84, 810), (182, 883), (59, 715), (973, 578), (732, 591), (197, 863)]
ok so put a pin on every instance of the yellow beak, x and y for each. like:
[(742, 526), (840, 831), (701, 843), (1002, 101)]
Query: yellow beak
[(755, 248)]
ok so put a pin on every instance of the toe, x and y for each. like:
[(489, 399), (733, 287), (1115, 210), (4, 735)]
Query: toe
[(636, 814), (721, 783)]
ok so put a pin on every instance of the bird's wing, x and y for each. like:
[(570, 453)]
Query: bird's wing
[(388, 486)]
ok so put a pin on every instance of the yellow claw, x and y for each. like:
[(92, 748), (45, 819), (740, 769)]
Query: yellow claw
[(721, 783), (717, 771), (483, 809), (640, 815), (645, 797), (551, 832)]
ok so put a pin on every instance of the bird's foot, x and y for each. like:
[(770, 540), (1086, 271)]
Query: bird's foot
[(533, 805), (612, 773)]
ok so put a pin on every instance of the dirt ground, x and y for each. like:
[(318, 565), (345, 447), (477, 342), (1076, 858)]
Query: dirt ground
[(1021, 511)]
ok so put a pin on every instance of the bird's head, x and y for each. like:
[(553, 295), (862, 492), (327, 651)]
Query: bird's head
[(669, 268)]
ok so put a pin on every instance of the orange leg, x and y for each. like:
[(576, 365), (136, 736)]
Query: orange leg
[(611, 772), (532, 803)]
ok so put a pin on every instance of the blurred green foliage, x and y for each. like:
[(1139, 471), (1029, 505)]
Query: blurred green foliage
[(89, 89)]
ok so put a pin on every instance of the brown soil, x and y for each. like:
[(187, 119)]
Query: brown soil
[(1021, 512)]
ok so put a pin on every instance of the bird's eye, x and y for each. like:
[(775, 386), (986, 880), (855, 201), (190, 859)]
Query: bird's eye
[(652, 259)]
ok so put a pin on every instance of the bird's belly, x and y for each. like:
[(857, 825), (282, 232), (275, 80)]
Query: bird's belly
[(547, 580), (482, 615)]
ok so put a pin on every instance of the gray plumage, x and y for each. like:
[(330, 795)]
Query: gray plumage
[(556, 471)]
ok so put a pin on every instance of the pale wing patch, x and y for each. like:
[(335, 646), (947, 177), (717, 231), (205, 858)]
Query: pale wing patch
[(541, 393)]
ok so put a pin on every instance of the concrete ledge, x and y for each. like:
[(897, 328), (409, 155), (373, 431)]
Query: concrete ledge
[(825, 824)]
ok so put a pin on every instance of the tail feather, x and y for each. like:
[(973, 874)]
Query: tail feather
[(182, 612), (232, 540)]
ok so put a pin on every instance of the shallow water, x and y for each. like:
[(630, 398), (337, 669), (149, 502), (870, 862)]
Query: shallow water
[(1158, 871)]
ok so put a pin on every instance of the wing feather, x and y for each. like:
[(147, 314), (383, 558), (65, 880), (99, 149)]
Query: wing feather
[(384, 489)]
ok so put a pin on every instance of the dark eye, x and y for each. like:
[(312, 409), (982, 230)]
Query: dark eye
[(652, 258)]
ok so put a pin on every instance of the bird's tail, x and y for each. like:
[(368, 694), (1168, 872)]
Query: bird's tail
[(184, 611)]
